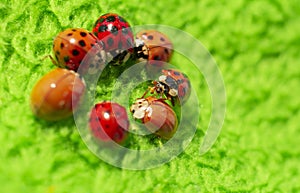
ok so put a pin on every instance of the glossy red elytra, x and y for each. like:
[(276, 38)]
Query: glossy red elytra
[(109, 121), (157, 115), (51, 98), (115, 33)]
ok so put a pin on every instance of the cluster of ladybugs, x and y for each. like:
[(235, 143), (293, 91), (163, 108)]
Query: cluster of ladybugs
[(59, 92)]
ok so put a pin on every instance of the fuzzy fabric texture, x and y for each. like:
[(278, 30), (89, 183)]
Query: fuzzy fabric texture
[(256, 45)]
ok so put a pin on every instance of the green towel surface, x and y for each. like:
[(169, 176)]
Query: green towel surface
[(256, 46)]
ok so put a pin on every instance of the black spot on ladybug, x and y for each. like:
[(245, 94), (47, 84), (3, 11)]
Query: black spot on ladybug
[(180, 81), (114, 30), (171, 82), (124, 30), (129, 43), (62, 45), (75, 52), (69, 34), (73, 29), (110, 19), (122, 19), (176, 73), (110, 41), (156, 57), (162, 39), (150, 37), (118, 114), (83, 34), (120, 45), (82, 43), (116, 136), (101, 20), (66, 58), (102, 28)]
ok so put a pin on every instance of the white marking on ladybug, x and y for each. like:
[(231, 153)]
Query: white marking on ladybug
[(109, 27), (149, 110), (173, 92), (139, 42), (162, 78)]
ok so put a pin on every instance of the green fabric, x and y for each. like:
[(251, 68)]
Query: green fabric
[(256, 45)]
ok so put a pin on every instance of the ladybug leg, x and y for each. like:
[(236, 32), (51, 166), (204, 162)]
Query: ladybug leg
[(172, 100), (51, 58), (146, 92)]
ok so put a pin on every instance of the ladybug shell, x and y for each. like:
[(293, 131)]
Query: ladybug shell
[(51, 97), (183, 83), (70, 47), (159, 46), (159, 117), (109, 121), (114, 31)]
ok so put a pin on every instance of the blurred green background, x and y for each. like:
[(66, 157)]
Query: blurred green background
[(256, 45)]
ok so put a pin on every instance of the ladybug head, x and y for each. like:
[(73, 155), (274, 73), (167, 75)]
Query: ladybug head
[(159, 87), (139, 108), (140, 49)]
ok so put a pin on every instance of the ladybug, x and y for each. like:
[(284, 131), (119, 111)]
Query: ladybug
[(153, 46), (174, 84), (109, 121), (70, 47), (115, 33), (51, 98), (157, 115)]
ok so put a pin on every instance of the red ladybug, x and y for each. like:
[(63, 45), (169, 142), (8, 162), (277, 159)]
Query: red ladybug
[(114, 31), (157, 115), (153, 46), (174, 84), (51, 98), (70, 47), (109, 121)]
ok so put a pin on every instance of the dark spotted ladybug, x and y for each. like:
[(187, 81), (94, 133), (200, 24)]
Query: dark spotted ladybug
[(153, 46), (174, 84), (109, 121), (70, 47), (114, 31), (157, 115)]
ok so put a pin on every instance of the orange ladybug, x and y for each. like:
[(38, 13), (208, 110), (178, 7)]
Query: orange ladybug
[(157, 115), (153, 46), (51, 98), (71, 45)]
